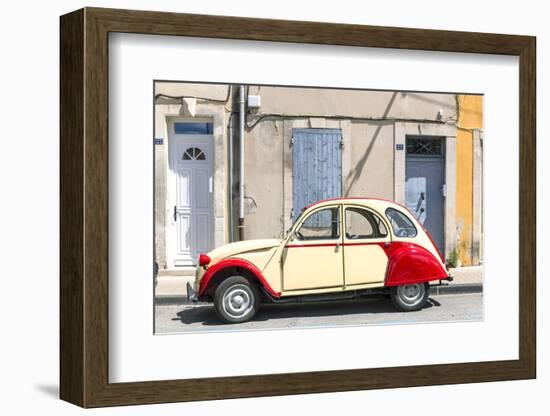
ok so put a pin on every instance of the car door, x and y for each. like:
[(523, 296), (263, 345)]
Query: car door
[(366, 239), (313, 256)]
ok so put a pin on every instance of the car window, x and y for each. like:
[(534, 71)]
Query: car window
[(361, 223), (322, 224), (401, 224)]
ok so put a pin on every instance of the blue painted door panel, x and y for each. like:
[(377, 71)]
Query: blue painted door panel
[(425, 178), (317, 166)]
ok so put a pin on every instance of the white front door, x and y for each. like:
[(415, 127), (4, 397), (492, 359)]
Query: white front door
[(191, 213)]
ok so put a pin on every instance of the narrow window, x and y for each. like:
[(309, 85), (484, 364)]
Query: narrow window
[(421, 146), (186, 127)]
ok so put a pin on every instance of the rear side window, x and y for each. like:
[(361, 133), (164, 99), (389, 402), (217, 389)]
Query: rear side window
[(361, 223), (401, 224)]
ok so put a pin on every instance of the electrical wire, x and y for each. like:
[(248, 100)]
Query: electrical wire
[(180, 97), (261, 117), (257, 118)]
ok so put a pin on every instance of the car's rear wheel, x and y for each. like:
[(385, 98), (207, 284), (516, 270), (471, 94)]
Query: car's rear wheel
[(236, 300), (410, 297)]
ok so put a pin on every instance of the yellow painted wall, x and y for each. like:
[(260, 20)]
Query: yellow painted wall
[(470, 116)]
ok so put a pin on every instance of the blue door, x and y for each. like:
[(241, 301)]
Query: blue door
[(317, 166), (425, 184)]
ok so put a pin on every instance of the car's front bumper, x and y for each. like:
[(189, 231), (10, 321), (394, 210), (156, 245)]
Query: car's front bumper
[(191, 294)]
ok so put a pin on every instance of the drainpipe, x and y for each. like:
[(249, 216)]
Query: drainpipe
[(241, 159), (231, 227)]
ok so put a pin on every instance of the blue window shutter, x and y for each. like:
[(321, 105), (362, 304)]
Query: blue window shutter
[(317, 166)]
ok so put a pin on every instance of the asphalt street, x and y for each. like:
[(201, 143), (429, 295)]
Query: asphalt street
[(188, 317)]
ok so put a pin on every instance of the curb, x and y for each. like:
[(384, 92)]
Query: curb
[(172, 300), (451, 289), (456, 289)]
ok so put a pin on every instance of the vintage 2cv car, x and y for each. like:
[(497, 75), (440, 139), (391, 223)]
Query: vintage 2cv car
[(336, 249)]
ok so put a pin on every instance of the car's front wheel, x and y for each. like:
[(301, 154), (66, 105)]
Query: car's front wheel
[(410, 297), (236, 300)]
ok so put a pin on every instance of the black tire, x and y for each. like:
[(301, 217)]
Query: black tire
[(236, 300), (408, 298)]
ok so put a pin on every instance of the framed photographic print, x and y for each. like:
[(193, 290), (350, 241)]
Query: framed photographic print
[(260, 207)]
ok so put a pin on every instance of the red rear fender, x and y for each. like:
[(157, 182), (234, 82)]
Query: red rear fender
[(411, 263)]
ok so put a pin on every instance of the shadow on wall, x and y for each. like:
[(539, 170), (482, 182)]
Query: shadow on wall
[(355, 173)]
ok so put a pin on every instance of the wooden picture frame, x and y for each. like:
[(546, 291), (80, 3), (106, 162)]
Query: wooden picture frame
[(84, 207)]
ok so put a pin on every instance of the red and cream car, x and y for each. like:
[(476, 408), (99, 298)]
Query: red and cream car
[(336, 249)]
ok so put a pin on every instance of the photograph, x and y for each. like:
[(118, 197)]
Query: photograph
[(294, 207)]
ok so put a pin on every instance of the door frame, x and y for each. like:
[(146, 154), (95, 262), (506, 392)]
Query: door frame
[(448, 133), (428, 158), (170, 234)]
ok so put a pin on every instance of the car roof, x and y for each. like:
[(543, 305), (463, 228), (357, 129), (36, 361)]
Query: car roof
[(377, 203)]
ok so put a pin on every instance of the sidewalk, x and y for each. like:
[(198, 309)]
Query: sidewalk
[(172, 285), (465, 280)]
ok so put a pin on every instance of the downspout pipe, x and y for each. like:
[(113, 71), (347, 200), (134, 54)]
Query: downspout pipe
[(231, 158), (241, 160)]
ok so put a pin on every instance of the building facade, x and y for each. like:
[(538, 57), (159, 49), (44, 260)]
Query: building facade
[(301, 145)]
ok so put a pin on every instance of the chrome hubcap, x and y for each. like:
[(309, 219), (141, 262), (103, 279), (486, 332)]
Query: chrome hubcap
[(238, 301), (411, 294)]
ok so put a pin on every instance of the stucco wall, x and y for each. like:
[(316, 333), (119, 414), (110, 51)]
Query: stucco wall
[(367, 168), (264, 180), (470, 119), (368, 160), (354, 103), (212, 91), (369, 123), (325, 102)]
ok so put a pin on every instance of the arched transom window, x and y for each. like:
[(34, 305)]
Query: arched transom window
[(193, 153)]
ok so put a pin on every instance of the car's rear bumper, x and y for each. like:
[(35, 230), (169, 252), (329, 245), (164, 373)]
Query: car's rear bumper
[(442, 282)]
